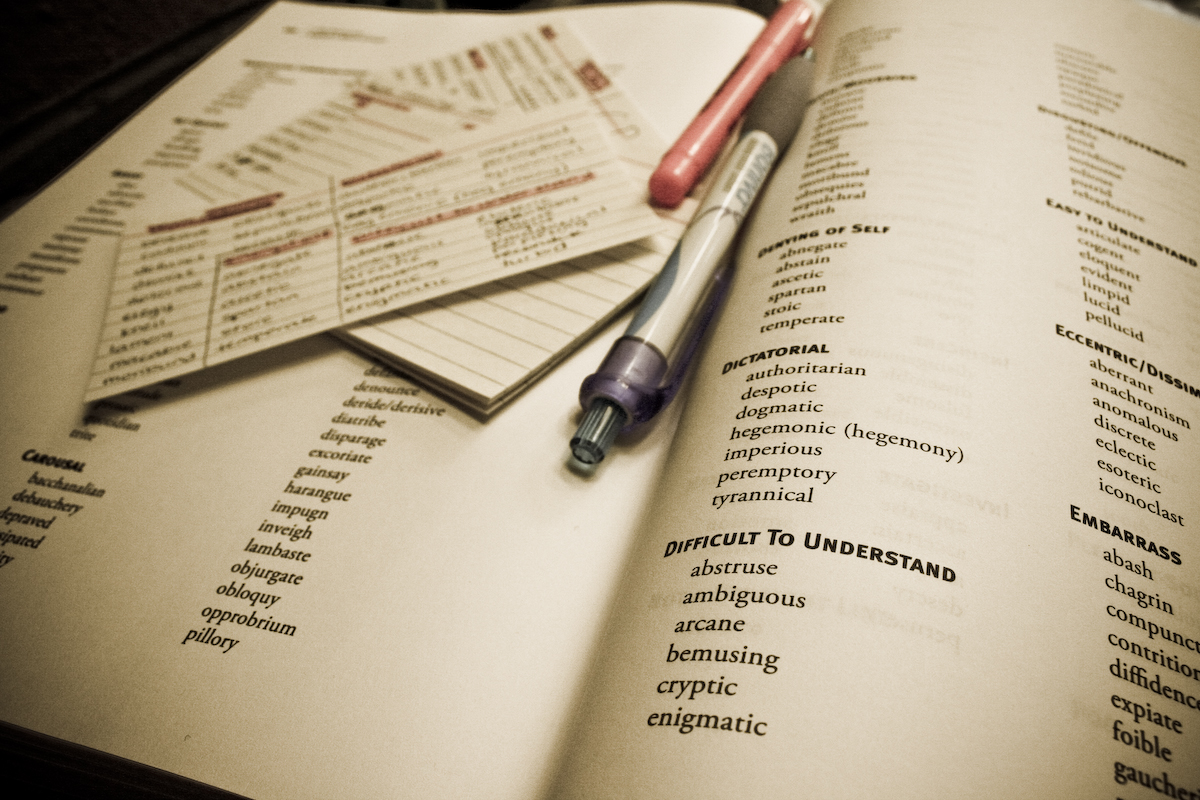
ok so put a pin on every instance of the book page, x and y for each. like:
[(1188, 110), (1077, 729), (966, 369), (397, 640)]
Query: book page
[(298, 575), (929, 526)]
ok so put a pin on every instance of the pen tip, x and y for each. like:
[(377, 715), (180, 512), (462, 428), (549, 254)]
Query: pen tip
[(596, 432)]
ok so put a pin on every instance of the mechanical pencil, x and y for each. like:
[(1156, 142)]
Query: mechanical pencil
[(645, 367)]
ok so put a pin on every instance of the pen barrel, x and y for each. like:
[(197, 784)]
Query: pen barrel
[(645, 367), (678, 293)]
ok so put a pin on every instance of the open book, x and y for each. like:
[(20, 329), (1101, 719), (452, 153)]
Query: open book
[(921, 525)]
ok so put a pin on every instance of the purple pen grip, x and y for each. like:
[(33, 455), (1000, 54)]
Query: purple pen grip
[(630, 376)]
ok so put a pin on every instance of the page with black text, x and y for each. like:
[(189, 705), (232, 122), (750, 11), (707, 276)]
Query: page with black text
[(299, 575), (929, 523)]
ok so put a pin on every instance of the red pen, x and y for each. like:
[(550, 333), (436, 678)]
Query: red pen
[(787, 33)]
